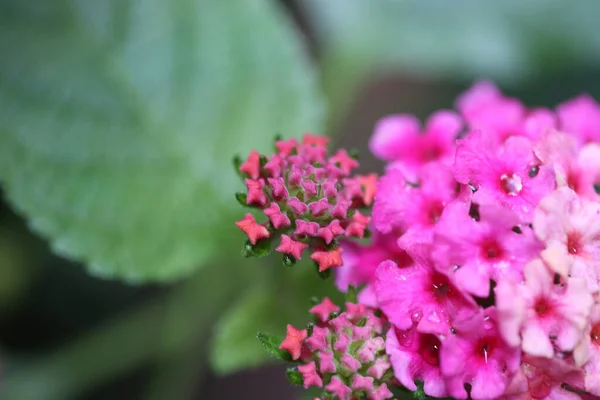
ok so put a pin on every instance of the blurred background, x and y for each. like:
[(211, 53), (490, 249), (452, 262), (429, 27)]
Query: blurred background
[(121, 275)]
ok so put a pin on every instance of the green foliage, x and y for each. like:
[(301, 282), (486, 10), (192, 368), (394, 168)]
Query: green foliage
[(262, 248), (294, 376), (119, 115), (235, 345), (352, 294), (268, 308), (271, 344)]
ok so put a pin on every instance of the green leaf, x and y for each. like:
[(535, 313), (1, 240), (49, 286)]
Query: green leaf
[(352, 294), (271, 344), (267, 309), (262, 248), (119, 119), (294, 376), (235, 345)]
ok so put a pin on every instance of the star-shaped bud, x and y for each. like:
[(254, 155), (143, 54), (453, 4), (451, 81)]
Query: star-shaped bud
[(318, 339), (350, 362), (252, 165), (304, 228), (319, 207), (382, 393), (291, 247), (355, 311), (256, 193), (342, 343), (297, 206), (362, 383), (326, 363), (293, 341), (369, 187), (346, 163), (340, 209), (309, 187), (309, 375), (277, 218), (328, 259), (379, 368), (285, 147), (337, 387), (331, 231), (358, 225), (274, 165), (324, 309), (252, 229), (278, 187), (329, 188), (315, 140)]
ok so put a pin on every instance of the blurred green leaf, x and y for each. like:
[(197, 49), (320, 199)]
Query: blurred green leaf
[(119, 119), (271, 345), (294, 376), (235, 344), (267, 308), (509, 41)]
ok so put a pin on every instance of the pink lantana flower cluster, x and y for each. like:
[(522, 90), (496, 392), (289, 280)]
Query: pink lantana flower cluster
[(308, 198), (343, 353), (492, 289), (481, 279)]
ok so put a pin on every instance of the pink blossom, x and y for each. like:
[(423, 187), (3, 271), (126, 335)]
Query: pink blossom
[(416, 356), (476, 354), (507, 174), (588, 353), (541, 378), (580, 117), (399, 205), (479, 96), (570, 228), (484, 107), (574, 168), (361, 262), (475, 252), (540, 315), (419, 295), (398, 138)]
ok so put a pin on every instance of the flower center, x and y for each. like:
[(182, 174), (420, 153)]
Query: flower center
[(431, 152), (484, 348), (543, 307), (435, 211), (440, 287), (574, 245), (573, 181), (511, 184), (491, 249), (595, 334), (429, 349)]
